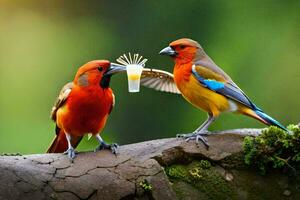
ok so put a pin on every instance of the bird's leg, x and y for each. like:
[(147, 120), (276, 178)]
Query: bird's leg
[(102, 145), (199, 133), (71, 151)]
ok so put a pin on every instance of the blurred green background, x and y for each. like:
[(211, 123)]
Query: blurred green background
[(42, 43)]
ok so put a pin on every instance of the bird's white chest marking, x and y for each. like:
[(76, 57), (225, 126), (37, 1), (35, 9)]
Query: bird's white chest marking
[(232, 106)]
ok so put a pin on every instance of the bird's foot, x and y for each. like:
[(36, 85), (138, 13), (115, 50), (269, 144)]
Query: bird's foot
[(71, 153), (113, 147), (197, 136)]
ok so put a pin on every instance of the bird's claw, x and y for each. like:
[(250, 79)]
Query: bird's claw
[(113, 147), (203, 140), (71, 153), (197, 136)]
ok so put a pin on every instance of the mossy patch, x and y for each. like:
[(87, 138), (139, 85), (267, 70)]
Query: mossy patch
[(274, 148), (147, 187), (202, 176), (234, 161)]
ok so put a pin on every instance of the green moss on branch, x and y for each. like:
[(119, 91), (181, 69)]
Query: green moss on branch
[(274, 148), (202, 176)]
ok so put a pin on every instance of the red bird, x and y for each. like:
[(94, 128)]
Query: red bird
[(83, 107)]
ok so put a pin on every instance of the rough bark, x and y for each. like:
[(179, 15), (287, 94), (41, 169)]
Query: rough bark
[(102, 175)]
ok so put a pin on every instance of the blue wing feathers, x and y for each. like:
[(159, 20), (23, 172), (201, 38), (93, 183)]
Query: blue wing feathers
[(209, 83), (224, 89), (213, 85), (234, 93)]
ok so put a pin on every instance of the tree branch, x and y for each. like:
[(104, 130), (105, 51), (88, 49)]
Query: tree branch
[(102, 175)]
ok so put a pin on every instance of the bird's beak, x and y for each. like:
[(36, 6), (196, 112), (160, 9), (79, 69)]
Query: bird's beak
[(169, 51), (115, 68)]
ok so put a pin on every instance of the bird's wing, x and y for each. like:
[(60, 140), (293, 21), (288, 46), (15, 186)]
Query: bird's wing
[(159, 80), (61, 99), (220, 84), (113, 102), (210, 69)]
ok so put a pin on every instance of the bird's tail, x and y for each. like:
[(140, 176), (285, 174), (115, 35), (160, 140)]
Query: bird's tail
[(60, 143), (263, 117), (269, 120)]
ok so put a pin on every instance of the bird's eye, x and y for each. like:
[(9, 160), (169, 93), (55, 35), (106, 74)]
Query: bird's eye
[(100, 69), (182, 46)]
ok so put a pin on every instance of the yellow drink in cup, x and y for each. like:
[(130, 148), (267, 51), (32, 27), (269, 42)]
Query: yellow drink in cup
[(134, 67), (134, 72)]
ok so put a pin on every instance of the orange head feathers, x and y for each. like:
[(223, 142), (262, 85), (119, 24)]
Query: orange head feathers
[(91, 73), (183, 50), (97, 72)]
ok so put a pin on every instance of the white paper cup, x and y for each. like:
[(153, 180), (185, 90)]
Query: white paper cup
[(134, 76)]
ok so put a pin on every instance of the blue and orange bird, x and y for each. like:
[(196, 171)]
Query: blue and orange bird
[(206, 86)]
